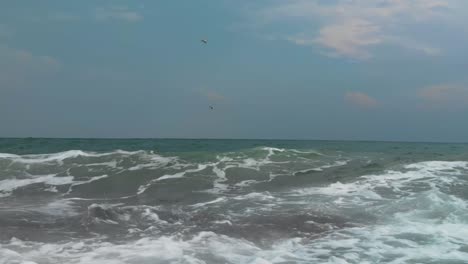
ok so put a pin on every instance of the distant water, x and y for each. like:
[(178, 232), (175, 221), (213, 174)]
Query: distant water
[(232, 201)]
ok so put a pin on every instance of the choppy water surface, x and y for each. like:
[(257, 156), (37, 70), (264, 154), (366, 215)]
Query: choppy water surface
[(232, 201)]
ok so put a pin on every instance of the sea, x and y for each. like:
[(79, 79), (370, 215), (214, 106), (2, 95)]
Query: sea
[(115, 201)]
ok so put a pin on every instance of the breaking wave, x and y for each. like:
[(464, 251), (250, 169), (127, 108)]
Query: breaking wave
[(254, 205)]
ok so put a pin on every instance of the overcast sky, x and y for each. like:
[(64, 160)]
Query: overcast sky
[(289, 69)]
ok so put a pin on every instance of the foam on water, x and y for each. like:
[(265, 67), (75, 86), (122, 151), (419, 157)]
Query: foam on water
[(151, 157), (7, 186), (166, 249), (431, 175), (45, 158), (255, 195), (418, 226), (154, 162), (182, 174), (51, 181), (398, 243), (234, 208), (217, 200), (321, 168), (162, 250), (438, 166), (60, 208), (218, 183), (111, 164), (246, 183), (151, 215)]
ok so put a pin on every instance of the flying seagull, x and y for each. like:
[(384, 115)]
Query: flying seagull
[(204, 41)]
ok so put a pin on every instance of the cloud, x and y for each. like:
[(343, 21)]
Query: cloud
[(361, 100), (414, 45), (445, 95), (117, 13), (350, 39), (350, 28), (18, 67), (120, 13)]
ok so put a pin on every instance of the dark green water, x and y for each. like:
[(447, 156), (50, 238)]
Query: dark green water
[(232, 201)]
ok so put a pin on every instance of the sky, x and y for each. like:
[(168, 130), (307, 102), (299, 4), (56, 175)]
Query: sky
[(392, 70)]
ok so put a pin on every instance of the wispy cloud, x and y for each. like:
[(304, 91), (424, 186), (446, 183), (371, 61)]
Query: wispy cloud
[(18, 64), (350, 39), (445, 95), (414, 45), (351, 28), (109, 13), (18, 67), (361, 100), (117, 13)]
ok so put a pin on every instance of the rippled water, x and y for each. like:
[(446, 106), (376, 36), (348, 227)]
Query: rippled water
[(232, 201)]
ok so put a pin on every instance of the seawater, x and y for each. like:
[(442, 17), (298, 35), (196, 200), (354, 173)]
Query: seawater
[(232, 201)]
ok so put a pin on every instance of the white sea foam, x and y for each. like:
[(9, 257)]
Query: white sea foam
[(272, 150), (223, 222), (412, 218), (432, 174), (96, 178), (57, 208), (153, 216), (154, 162), (357, 245), (8, 156), (182, 174), (401, 240), (255, 196), (420, 226), (165, 249), (437, 166), (45, 158), (256, 164), (338, 163), (178, 175), (246, 183), (217, 200), (111, 164), (61, 156), (400, 237), (9, 185), (218, 183)]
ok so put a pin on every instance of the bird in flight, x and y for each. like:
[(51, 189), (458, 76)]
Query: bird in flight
[(204, 41)]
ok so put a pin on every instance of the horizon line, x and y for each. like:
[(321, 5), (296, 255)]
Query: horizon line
[(247, 139)]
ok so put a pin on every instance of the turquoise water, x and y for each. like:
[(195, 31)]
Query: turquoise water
[(232, 201)]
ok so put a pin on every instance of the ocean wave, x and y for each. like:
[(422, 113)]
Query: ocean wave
[(259, 204), (423, 175), (7, 186), (50, 181), (70, 154)]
